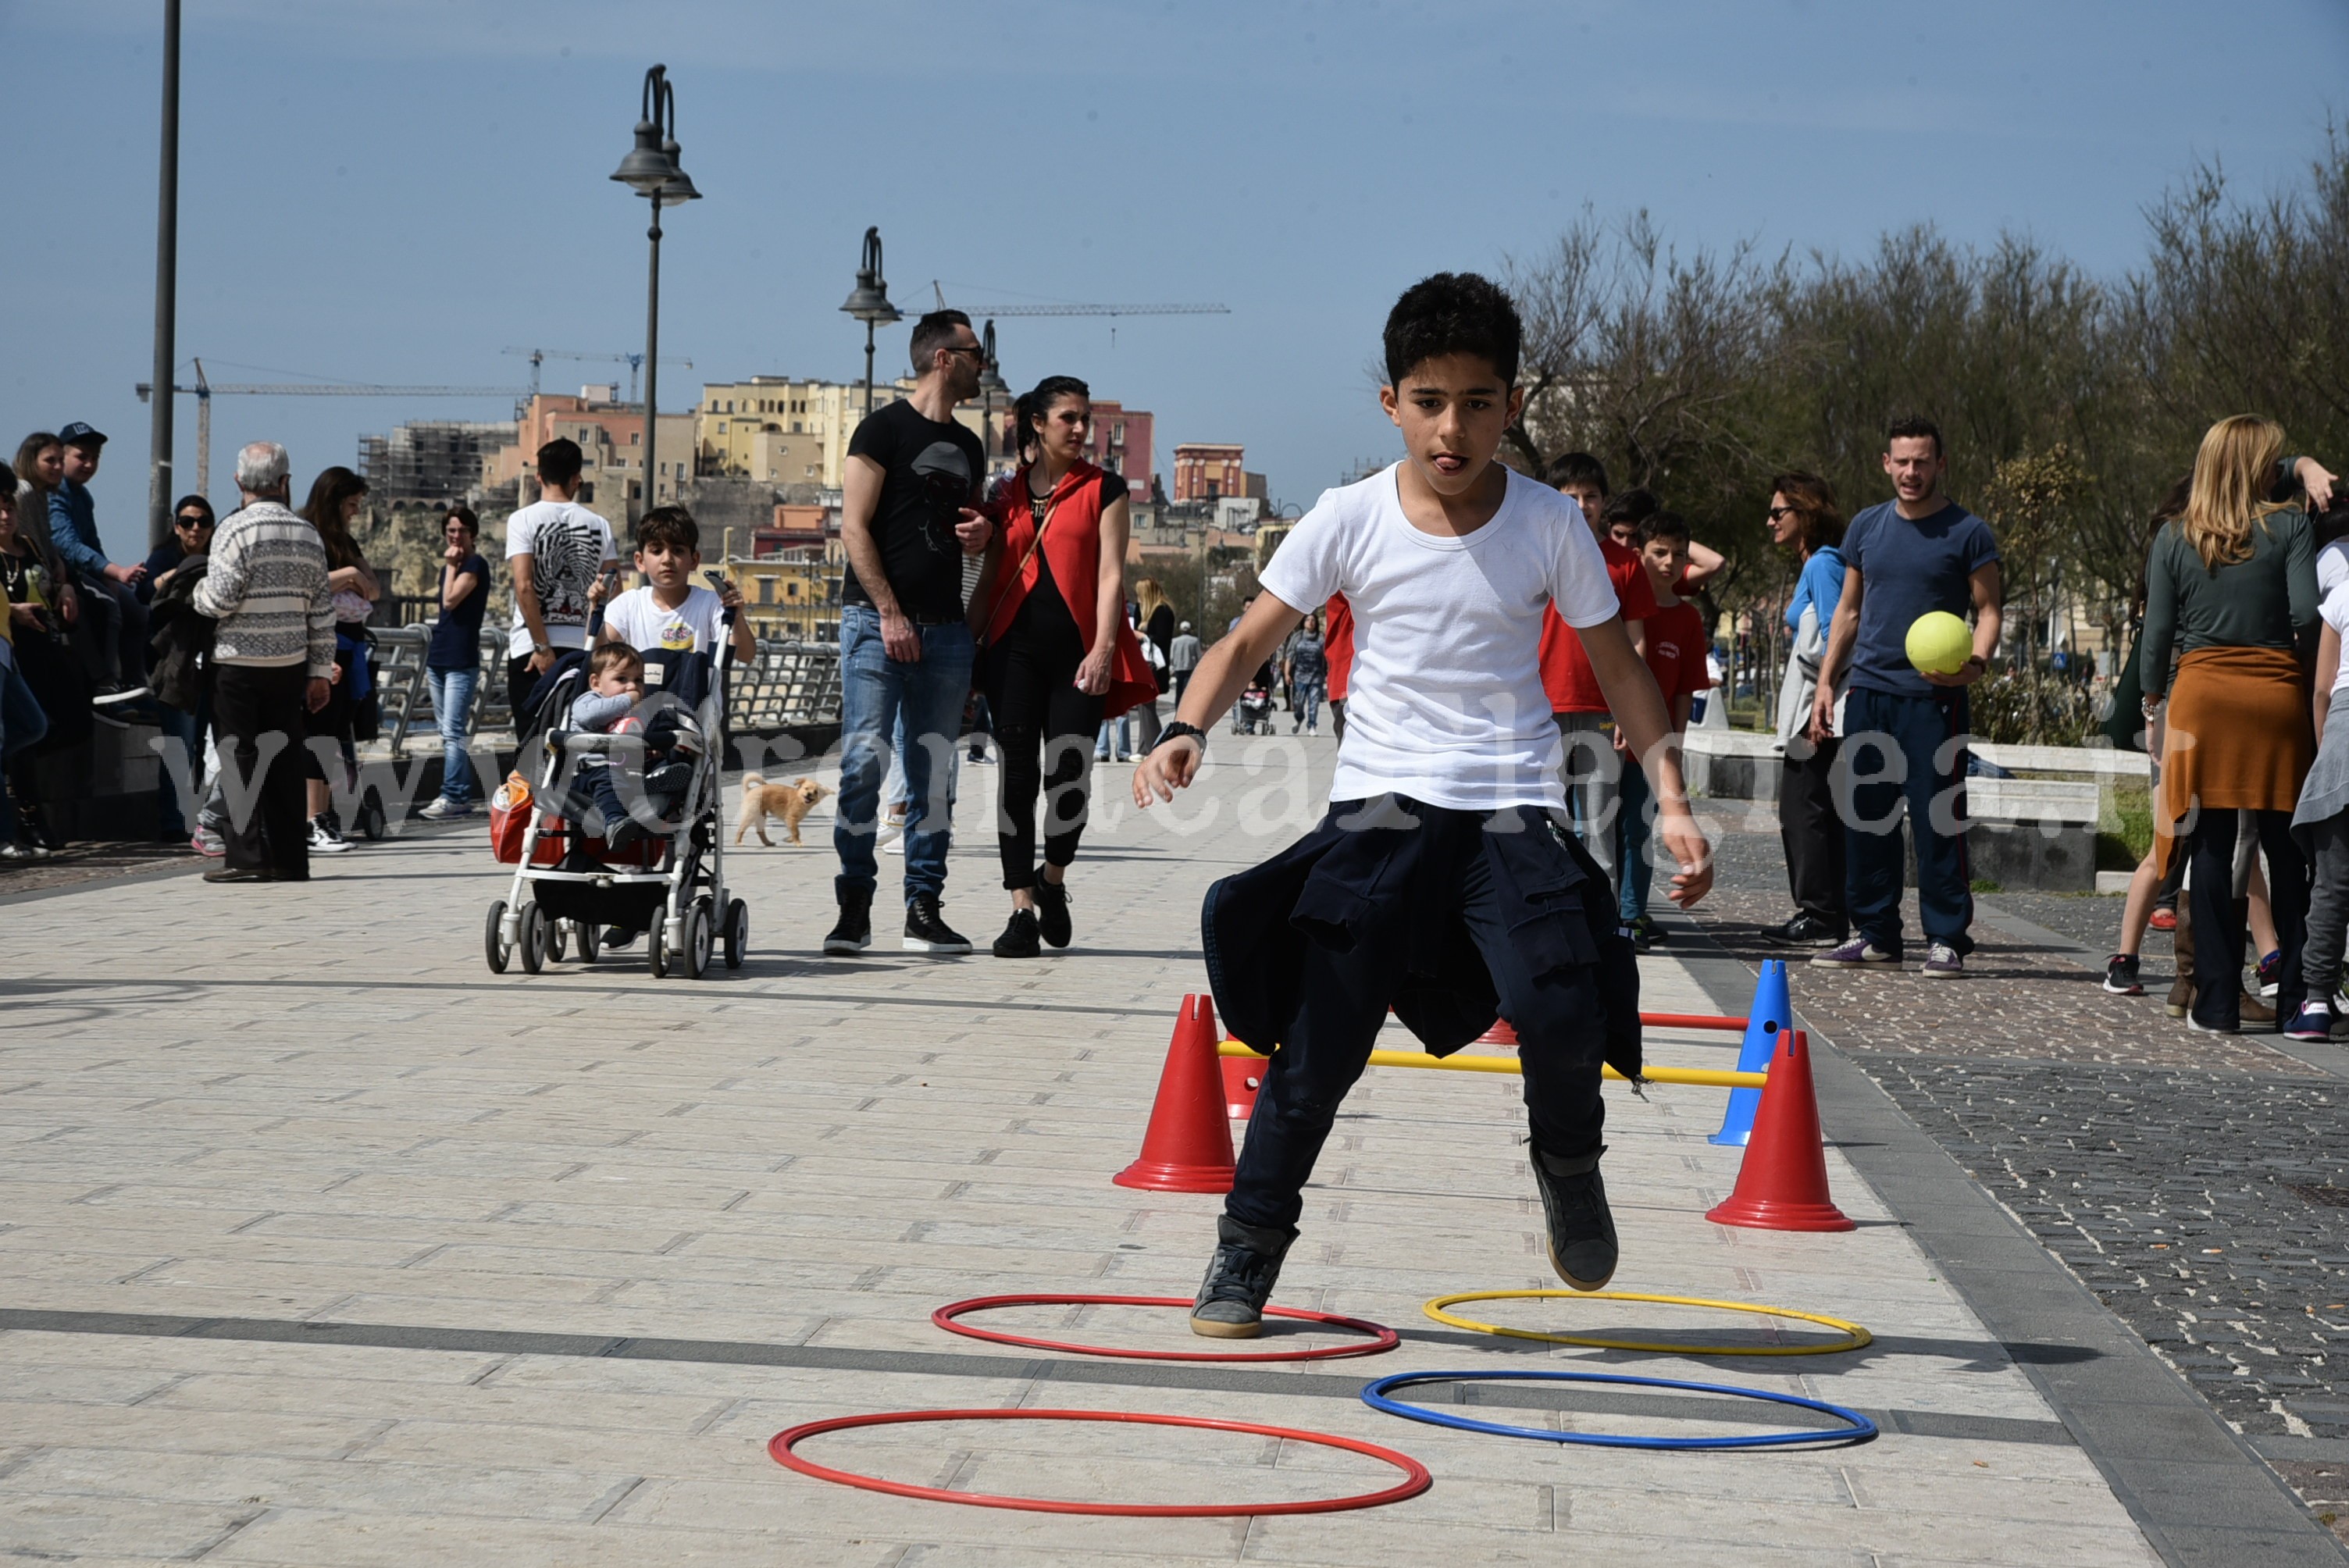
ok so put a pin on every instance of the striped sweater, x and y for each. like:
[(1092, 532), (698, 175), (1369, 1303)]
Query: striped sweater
[(266, 584)]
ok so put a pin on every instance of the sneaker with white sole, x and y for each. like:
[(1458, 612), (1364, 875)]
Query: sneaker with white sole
[(325, 839), (2121, 976), (2312, 1022), (926, 930), (1859, 953), (208, 843), (1942, 963), (441, 809)]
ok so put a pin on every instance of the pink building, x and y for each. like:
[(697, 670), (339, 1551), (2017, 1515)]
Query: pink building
[(1121, 439), (1206, 471)]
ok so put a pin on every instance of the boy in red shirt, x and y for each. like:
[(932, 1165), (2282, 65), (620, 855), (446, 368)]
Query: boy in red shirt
[(1337, 637), (1594, 771), (1675, 654)]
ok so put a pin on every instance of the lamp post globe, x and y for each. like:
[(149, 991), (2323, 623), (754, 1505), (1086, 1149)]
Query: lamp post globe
[(868, 302)]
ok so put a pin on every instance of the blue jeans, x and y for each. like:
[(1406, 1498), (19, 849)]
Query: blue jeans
[(452, 706), (1118, 731), (1634, 826), (1905, 749), (188, 729), (22, 724), (874, 690)]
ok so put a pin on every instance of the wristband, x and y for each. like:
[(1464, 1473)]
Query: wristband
[(1175, 727)]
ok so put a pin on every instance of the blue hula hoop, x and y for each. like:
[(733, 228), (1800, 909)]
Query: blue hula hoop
[(1858, 1429)]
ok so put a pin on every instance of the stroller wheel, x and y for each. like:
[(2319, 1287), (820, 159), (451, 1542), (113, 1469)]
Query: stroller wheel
[(738, 933), (591, 940), (493, 940), (700, 929), (554, 941), (656, 948), (371, 821), (531, 944)]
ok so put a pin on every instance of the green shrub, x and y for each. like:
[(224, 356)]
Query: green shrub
[(2031, 708)]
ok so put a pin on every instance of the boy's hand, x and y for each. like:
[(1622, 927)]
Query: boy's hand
[(1822, 715), (599, 590), (1685, 841), (1165, 767), (729, 597), (1972, 670)]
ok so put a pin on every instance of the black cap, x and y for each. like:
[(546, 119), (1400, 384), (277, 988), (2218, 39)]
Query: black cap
[(81, 433)]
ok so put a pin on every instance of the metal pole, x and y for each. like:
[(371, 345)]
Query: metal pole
[(868, 369), (167, 272), (652, 360)]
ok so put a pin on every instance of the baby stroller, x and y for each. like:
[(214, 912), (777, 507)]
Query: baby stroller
[(1252, 715), (661, 870)]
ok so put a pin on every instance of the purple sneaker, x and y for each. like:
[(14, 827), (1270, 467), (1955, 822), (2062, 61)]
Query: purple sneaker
[(1859, 953), (1942, 963)]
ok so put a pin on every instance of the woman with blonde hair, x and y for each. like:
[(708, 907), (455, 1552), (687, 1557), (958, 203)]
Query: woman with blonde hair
[(1156, 625), (2231, 581)]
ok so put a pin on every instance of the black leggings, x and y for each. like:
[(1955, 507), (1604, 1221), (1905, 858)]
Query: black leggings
[(1045, 727), (2219, 923)]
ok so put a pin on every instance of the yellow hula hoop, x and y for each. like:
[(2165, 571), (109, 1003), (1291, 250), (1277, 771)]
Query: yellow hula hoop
[(1856, 1338)]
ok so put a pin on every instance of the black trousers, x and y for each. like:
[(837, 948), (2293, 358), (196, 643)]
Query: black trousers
[(1561, 1035), (1045, 727), (2219, 919), (267, 827), (1810, 831)]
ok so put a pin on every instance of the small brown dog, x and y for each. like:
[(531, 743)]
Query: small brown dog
[(787, 803)]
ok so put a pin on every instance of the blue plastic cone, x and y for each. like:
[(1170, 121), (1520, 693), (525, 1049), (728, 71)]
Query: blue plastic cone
[(1771, 1012)]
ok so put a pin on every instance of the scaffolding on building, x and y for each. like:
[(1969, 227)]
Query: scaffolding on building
[(432, 461)]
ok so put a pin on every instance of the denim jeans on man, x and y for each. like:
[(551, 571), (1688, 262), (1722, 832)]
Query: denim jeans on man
[(23, 723), (1635, 825), (874, 690), (1908, 749), (452, 709)]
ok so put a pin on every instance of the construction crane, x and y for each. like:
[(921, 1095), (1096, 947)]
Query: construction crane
[(994, 311), (634, 362), (204, 391)]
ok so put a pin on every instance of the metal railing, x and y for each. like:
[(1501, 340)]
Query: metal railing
[(789, 686)]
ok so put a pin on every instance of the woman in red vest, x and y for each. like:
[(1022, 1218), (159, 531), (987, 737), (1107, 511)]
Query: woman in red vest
[(1057, 656)]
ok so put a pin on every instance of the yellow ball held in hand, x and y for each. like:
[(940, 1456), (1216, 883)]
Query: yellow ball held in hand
[(1940, 644)]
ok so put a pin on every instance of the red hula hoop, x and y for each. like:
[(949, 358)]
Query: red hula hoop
[(1415, 1481), (1381, 1337)]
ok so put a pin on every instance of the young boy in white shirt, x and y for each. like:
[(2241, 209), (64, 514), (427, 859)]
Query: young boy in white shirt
[(672, 613), (1443, 882)]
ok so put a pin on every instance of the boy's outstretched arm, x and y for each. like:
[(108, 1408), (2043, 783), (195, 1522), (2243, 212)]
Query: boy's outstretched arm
[(1647, 732), (1219, 681)]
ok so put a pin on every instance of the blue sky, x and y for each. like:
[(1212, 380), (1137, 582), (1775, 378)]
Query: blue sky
[(396, 190)]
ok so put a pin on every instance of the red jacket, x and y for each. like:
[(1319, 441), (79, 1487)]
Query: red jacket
[(1072, 542)]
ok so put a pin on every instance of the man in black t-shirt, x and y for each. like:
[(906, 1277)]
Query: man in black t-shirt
[(910, 487)]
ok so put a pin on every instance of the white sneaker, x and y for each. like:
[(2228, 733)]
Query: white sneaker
[(206, 843), (896, 846), (441, 809), (324, 840), (892, 829)]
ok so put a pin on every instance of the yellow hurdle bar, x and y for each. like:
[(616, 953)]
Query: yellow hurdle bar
[(1702, 1077)]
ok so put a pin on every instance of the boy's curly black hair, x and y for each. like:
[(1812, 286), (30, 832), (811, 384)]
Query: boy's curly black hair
[(1453, 313)]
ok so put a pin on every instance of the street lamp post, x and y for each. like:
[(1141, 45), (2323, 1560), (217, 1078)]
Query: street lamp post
[(651, 170), (166, 272), (869, 303), (991, 382)]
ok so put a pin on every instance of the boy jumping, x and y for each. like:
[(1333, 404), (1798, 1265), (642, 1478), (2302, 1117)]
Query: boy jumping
[(1439, 882)]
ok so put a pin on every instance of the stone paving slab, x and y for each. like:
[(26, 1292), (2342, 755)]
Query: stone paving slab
[(328, 1112)]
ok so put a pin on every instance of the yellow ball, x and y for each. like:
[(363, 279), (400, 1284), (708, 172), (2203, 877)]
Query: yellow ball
[(1940, 644)]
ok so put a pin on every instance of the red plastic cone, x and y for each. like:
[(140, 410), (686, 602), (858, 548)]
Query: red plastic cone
[(1783, 1184), (1243, 1078), (1188, 1146)]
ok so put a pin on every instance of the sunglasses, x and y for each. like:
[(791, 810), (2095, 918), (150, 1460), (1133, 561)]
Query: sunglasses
[(973, 349), (1778, 512), (188, 521)]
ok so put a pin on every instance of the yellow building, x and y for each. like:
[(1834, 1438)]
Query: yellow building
[(792, 595), (785, 430)]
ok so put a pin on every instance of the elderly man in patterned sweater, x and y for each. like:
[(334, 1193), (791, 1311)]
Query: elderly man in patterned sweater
[(272, 658)]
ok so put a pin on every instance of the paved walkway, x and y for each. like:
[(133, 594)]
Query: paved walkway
[(320, 1244)]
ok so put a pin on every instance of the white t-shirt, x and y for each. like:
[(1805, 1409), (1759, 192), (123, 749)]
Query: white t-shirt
[(2331, 568), (568, 545), (1445, 703), (638, 621)]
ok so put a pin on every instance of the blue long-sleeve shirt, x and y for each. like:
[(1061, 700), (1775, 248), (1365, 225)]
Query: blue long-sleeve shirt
[(73, 528)]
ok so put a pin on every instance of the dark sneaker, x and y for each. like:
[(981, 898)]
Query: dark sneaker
[(1803, 931), (1052, 912), (1859, 953), (2269, 972), (1638, 938), (1647, 929), (1942, 963), (853, 933), (1019, 938), (1246, 1265), (239, 874), (2312, 1022), (2121, 976), (1582, 1247), (926, 930)]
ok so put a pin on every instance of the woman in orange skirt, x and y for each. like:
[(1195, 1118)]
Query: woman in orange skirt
[(2232, 582)]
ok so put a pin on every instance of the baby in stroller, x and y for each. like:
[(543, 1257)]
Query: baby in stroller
[(616, 687)]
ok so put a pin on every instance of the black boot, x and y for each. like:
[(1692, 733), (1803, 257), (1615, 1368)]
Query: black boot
[(1053, 911), (1582, 1246), (854, 933), (1240, 1278)]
